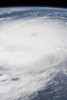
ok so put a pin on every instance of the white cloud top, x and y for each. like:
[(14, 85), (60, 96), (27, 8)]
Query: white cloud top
[(28, 48)]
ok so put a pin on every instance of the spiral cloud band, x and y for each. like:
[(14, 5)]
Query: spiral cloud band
[(31, 51)]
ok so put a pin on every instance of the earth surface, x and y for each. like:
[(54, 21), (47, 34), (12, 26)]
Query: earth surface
[(33, 53)]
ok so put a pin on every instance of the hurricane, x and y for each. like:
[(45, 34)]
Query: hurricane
[(33, 54)]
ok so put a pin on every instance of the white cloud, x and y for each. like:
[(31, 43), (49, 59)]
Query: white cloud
[(27, 50)]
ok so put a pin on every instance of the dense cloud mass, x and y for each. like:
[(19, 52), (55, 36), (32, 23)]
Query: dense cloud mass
[(32, 52)]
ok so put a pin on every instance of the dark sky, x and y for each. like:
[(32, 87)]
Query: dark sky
[(54, 3)]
